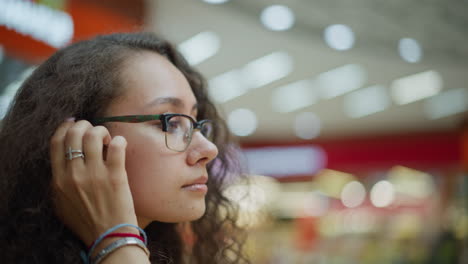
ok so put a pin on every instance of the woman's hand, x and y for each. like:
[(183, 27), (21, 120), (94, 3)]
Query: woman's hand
[(91, 193)]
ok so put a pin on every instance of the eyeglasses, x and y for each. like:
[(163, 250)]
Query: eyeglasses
[(178, 128)]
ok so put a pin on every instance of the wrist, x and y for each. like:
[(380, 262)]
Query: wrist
[(127, 254), (119, 246), (103, 244), (106, 238)]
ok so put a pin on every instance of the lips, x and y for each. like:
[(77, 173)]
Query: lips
[(198, 181)]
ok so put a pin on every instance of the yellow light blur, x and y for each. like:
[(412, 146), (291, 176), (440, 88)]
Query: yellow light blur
[(331, 182), (254, 196), (412, 183)]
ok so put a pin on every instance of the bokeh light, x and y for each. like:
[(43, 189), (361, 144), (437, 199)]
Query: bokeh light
[(382, 194), (353, 194), (277, 17), (339, 37), (215, 1), (242, 122), (307, 125), (410, 50)]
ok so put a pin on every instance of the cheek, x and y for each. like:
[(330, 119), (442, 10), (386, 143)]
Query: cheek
[(149, 181), (146, 159), (149, 166), (154, 177), (145, 150)]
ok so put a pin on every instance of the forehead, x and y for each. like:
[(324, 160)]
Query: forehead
[(146, 76)]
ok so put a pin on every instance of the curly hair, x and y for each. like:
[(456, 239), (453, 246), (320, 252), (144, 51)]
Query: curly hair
[(80, 81)]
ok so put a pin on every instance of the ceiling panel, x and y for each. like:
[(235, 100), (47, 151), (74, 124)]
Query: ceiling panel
[(439, 26)]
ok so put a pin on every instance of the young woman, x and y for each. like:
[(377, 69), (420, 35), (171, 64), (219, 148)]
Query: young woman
[(116, 130)]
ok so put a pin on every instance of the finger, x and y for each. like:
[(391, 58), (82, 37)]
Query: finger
[(93, 141), (57, 148), (116, 153), (74, 140)]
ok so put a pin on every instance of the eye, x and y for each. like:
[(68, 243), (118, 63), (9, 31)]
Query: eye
[(173, 125)]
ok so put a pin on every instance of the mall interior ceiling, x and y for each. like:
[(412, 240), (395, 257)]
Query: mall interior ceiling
[(366, 86)]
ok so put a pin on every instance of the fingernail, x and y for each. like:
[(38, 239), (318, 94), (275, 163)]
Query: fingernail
[(70, 119)]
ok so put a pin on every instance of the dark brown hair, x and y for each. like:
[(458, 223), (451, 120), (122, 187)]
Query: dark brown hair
[(80, 81)]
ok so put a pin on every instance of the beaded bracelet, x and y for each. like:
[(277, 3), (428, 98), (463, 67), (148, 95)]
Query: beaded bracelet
[(127, 241)]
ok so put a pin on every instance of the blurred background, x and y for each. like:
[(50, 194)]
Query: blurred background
[(351, 115)]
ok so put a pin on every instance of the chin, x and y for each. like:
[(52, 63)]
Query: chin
[(195, 214)]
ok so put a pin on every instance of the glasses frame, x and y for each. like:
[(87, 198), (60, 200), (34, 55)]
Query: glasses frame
[(164, 118)]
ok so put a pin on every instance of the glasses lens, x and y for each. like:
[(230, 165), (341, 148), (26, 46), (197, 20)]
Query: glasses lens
[(179, 133), (207, 130)]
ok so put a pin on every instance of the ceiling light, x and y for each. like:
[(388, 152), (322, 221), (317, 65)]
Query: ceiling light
[(410, 50), (341, 80), (41, 22), (447, 103), (242, 122), (256, 73), (294, 96), (227, 86), (416, 87), (277, 17), (366, 101), (215, 1), (200, 47), (267, 69), (339, 37), (307, 125)]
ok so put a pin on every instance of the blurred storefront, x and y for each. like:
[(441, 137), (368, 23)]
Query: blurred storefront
[(387, 199)]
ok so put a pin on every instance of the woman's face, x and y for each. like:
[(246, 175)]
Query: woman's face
[(161, 180)]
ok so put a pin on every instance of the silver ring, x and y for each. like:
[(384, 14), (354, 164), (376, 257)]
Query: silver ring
[(74, 153)]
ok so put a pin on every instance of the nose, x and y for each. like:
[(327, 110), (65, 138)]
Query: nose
[(201, 150)]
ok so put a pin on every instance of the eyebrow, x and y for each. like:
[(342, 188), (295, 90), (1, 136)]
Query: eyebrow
[(170, 100)]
